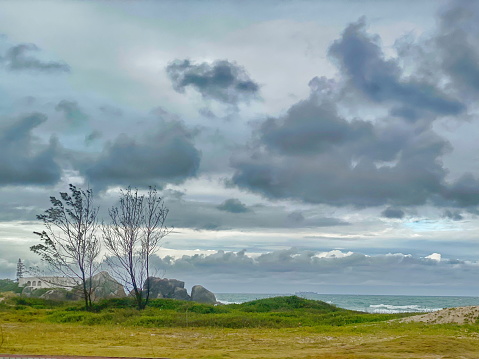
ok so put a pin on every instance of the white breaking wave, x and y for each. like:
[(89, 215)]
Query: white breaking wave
[(389, 308), (226, 302)]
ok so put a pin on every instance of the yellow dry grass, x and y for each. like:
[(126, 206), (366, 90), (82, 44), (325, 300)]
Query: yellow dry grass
[(375, 341)]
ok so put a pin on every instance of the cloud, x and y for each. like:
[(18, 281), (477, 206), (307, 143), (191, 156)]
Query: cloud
[(457, 42), (7, 268), (392, 212), (167, 155), (464, 192), (317, 153), (368, 72), (311, 127), (454, 215), (20, 58), (25, 160), (435, 257), (221, 80), (358, 163), (296, 217), (233, 205), (92, 136), (72, 112), (324, 268), (207, 216)]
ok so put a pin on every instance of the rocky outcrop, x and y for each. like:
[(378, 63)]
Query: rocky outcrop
[(181, 294), (104, 286), (175, 289), (202, 295), (166, 288)]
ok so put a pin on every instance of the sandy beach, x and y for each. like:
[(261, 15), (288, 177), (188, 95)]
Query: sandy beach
[(459, 315)]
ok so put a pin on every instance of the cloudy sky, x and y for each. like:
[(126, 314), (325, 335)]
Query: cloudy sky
[(327, 146)]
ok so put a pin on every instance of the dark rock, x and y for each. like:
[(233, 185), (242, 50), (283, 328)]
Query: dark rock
[(181, 294), (164, 287), (104, 286), (202, 295)]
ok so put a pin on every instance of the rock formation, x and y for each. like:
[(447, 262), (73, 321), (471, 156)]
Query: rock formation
[(202, 295), (175, 289), (166, 288), (105, 286)]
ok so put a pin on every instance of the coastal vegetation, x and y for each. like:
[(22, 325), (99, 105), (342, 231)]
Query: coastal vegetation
[(8, 285), (278, 312), (281, 327)]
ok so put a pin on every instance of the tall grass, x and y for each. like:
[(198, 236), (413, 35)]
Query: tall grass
[(279, 312)]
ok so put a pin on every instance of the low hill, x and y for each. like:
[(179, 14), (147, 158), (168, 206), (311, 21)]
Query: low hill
[(459, 315), (285, 304)]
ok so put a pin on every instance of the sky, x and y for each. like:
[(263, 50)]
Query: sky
[(327, 146)]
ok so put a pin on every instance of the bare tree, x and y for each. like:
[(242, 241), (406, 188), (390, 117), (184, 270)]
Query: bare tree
[(133, 236), (69, 244)]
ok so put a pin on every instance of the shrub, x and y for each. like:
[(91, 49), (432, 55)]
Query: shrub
[(8, 285)]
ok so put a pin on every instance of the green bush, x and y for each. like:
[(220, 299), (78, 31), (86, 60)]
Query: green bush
[(126, 302), (37, 303), (285, 304), (8, 285)]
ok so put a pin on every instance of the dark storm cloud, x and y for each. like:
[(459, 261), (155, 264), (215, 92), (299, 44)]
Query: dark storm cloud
[(315, 155), (360, 57), (310, 127), (454, 215), (24, 160), (458, 43), (20, 58), (392, 212), (222, 80), (363, 165), (464, 192), (233, 205), (166, 155)]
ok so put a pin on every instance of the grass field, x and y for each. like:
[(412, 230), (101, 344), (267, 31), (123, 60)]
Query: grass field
[(287, 327)]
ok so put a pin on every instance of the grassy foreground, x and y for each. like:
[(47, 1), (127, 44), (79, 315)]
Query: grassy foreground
[(286, 327)]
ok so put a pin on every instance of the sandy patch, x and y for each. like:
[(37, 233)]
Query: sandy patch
[(459, 315)]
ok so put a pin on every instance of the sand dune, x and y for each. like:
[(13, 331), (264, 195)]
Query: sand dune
[(459, 315)]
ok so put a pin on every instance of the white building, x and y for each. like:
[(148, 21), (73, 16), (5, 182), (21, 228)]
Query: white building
[(48, 282)]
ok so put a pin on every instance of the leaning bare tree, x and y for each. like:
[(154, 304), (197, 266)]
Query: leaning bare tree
[(132, 237), (69, 244)]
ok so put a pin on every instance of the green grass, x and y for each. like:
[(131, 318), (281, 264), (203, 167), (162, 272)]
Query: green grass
[(282, 327), (279, 312)]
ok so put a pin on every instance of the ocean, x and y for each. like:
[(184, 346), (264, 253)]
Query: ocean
[(366, 303)]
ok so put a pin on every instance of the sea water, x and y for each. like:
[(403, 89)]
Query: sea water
[(366, 303)]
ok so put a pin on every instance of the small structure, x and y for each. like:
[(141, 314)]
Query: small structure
[(48, 282), (20, 269)]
